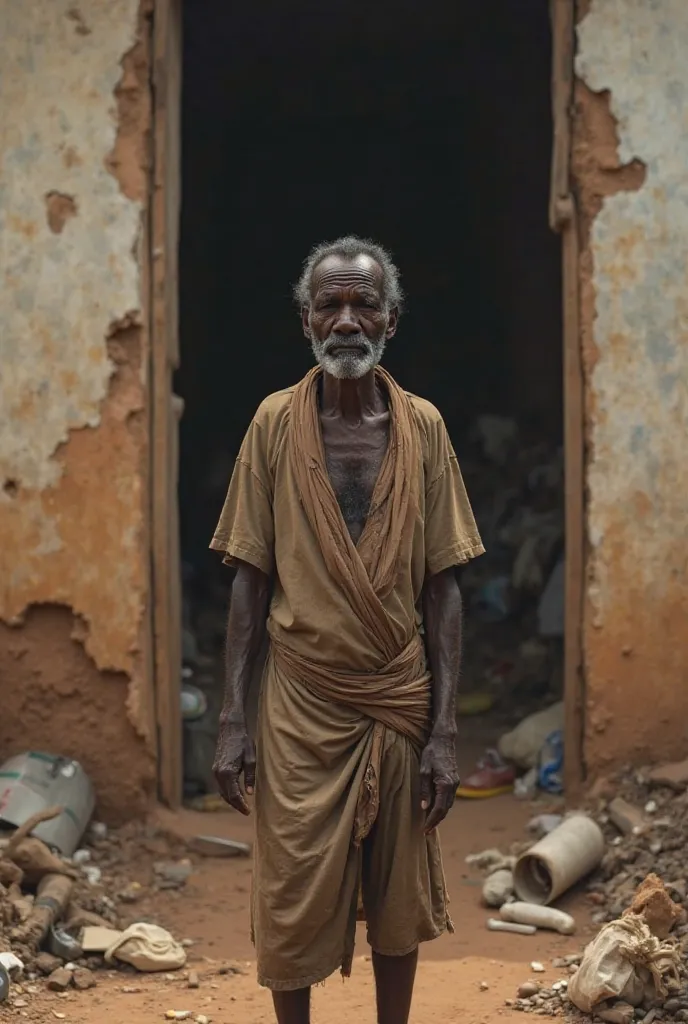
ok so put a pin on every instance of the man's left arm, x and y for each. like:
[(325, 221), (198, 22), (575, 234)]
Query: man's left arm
[(442, 610)]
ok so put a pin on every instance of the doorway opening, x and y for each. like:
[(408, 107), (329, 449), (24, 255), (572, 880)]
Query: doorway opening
[(431, 134)]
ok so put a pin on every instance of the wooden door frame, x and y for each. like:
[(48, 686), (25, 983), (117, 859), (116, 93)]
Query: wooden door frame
[(165, 406), (564, 220)]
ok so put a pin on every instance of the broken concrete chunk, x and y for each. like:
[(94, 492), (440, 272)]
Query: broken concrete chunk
[(46, 963), (620, 1013), (60, 980), (99, 940), (172, 875), (675, 776), (83, 979), (628, 818)]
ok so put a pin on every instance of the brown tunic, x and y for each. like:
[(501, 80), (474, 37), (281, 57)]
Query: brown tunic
[(327, 725)]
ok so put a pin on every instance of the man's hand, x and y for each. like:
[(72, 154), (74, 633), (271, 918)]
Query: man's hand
[(235, 754), (439, 779)]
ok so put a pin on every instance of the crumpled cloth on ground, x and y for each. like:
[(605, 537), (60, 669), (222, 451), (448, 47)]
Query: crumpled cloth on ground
[(147, 948)]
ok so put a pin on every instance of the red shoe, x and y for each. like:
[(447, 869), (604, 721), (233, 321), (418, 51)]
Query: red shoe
[(492, 777)]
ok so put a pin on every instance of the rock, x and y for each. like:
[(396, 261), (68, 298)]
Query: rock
[(498, 888), (528, 990), (60, 980), (193, 981), (675, 776), (652, 902), (132, 893), (46, 963), (628, 818), (537, 967), (484, 986), (672, 1005), (172, 875), (84, 979), (178, 1014), (620, 1013), (202, 1019)]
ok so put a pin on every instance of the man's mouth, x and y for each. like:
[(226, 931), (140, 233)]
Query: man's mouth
[(344, 349)]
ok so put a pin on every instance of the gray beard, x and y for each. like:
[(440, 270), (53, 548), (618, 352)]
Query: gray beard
[(348, 365)]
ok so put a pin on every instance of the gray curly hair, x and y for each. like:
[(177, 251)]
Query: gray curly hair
[(350, 247)]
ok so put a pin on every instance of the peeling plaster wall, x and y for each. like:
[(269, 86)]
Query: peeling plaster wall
[(630, 166), (73, 427)]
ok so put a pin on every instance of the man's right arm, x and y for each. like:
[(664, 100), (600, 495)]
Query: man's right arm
[(235, 753)]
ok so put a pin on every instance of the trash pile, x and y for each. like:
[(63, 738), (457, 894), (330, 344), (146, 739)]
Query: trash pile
[(515, 597), (631, 848), (68, 904), (516, 490)]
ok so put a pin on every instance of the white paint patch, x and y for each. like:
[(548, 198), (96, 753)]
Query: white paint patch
[(637, 50), (60, 61)]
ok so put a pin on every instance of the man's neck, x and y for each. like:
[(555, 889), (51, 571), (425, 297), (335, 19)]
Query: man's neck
[(352, 400)]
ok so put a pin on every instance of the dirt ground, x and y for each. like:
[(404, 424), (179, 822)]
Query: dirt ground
[(212, 911)]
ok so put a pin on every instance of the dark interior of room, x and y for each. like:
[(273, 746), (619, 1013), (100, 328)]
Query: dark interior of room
[(428, 129)]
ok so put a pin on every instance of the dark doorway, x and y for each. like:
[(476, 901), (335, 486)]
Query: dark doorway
[(428, 129)]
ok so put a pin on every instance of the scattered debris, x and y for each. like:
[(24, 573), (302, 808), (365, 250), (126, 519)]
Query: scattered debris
[(60, 980), (555, 863), (495, 925), (523, 744), (171, 875), (539, 917), (627, 818), (492, 777), (498, 888), (529, 989), (147, 947), (626, 963), (215, 846), (58, 789)]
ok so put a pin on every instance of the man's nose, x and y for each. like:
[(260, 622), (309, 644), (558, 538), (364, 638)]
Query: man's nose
[(346, 322)]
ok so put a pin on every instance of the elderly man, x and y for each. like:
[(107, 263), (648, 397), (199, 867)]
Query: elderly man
[(345, 518)]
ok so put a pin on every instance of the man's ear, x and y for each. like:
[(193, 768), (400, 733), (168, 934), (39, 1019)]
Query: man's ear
[(393, 323), (305, 320)]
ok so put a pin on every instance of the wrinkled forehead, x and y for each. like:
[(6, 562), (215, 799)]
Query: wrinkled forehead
[(339, 272)]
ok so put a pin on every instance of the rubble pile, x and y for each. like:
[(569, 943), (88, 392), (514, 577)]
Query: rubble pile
[(551, 1000), (644, 815), (94, 904)]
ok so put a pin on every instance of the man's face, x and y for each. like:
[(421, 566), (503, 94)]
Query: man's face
[(347, 322)]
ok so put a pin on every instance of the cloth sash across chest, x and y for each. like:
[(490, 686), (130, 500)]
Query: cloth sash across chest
[(395, 695)]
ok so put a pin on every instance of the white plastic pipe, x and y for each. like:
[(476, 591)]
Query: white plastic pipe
[(539, 917), (507, 926), (559, 860)]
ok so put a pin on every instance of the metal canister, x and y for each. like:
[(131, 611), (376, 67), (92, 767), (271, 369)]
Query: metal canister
[(35, 781)]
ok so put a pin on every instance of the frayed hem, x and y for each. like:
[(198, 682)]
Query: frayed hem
[(292, 985), (448, 928)]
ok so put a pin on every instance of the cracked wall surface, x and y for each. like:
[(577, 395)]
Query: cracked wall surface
[(73, 420), (630, 159)]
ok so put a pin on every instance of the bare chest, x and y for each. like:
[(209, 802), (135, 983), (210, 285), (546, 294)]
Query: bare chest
[(354, 459)]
